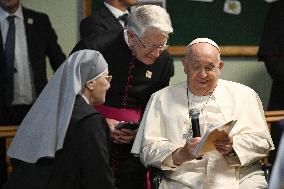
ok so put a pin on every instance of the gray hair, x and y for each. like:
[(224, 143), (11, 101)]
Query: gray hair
[(149, 16), (204, 40)]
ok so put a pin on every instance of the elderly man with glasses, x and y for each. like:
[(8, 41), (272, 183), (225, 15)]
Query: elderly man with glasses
[(166, 136), (140, 66)]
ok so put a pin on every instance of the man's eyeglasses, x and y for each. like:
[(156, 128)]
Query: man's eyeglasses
[(108, 77), (207, 69), (153, 47)]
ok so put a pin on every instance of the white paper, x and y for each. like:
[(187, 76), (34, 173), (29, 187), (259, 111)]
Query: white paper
[(232, 7), (208, 1), (206, 142)]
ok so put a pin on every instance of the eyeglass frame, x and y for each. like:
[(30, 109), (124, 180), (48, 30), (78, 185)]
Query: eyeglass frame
[(153, 47), (212, 68), (108, 77)]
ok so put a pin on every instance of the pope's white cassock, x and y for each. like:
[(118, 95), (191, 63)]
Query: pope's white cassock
[(166, 124)]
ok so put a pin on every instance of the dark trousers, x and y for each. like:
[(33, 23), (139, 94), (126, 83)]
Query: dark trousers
[(3, 163), (276, 102), (11, 115), (129, 172), (276, 133)]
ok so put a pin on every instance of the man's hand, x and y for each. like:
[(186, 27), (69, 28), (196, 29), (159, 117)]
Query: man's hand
[(123, 136), (224, 145), (185, 153)]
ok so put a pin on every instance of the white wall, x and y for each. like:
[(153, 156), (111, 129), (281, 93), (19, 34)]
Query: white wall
[(64, 16)]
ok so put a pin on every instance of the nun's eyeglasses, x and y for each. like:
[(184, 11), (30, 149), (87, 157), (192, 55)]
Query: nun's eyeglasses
[(108, 77)]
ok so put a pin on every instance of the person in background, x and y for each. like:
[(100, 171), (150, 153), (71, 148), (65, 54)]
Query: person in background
[(276, 180), (140, 66), (165, 139), (63, 142), (26, 39), (110, 17), (271, 51)]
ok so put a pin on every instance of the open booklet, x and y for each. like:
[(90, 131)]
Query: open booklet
[(213, 133)]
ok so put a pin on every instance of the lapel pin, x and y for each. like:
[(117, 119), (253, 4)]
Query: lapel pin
[(30, 21), (148, 74)]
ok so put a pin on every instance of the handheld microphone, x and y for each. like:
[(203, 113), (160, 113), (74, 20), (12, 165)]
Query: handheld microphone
[(194, 114)]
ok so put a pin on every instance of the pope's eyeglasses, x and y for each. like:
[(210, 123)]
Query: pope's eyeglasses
[(199, 68)]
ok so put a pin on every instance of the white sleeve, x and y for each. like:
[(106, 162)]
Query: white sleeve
[(156, 147)]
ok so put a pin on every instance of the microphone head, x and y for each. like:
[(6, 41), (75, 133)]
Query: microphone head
[(194, 113)]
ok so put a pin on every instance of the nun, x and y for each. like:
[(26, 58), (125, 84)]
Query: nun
[(63, 141)]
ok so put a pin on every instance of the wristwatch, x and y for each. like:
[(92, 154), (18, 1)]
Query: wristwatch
[(232, 153), (232, 159)]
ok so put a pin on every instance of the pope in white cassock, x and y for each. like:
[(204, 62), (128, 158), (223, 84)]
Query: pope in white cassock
[(164, 138)]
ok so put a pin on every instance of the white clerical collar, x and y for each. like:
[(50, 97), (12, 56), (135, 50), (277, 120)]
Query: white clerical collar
[(197, 99), (115, 11), (85, 98)]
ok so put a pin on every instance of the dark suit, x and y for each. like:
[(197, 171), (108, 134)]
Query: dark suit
[(41, 42), (83, 162), (271, 51), (102, 21)]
